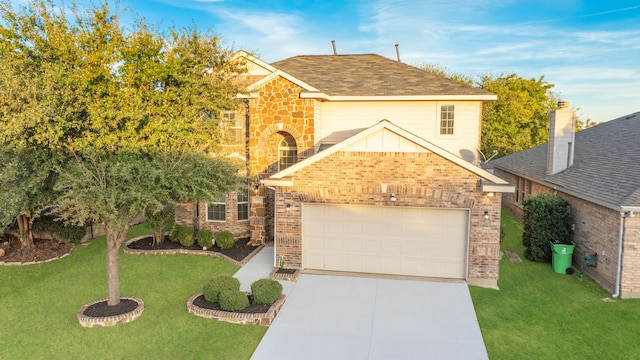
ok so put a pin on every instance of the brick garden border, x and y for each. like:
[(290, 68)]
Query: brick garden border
[(126, 249), (260, 319), (93, 321), (275, 275)]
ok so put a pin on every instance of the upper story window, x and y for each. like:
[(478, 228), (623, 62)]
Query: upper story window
[(231, 123), (447, 119), (287, 152), (217, 211), (243, 205)]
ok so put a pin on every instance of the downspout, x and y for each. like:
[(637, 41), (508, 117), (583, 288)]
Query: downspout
[(619, 265)]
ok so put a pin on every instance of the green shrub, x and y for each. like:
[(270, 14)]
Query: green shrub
[(205, 238), (224, 240), (547, 219), (160, 222), (183, 235), (266, 291), (58, 229), (233, 300), (216, 285)]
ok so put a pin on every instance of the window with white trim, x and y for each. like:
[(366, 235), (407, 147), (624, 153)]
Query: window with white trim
[(243, 205), (447, 115), (231, 123), (217, 211), (287, 152), (523, 189)]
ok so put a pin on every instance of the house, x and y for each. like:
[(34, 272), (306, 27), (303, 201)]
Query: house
[(364, 164), (597, 170)]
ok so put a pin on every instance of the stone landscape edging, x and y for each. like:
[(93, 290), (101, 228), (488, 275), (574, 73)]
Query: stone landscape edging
[(104, 321), (260, 319), (128, 250)]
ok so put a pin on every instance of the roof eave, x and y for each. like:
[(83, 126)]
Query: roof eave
[(323, 96)]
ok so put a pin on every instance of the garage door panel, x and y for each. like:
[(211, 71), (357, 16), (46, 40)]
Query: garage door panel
[(387, 240)]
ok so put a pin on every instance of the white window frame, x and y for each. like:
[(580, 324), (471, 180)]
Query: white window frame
[(220, 204), (291, 152), (449, 124), (244, 204)]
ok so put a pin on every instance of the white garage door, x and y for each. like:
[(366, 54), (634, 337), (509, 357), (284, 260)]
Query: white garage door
[(385, 240)]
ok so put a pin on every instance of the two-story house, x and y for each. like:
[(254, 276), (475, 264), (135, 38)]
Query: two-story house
[(364, 164)]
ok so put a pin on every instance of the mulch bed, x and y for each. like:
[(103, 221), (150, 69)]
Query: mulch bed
[(238, 252), (44, 250), (101, 309), (253, 308)]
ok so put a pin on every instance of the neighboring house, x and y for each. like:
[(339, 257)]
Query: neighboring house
[(365, 164), (597, 171)]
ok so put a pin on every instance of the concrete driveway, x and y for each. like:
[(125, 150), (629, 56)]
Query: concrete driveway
[(346, 317)]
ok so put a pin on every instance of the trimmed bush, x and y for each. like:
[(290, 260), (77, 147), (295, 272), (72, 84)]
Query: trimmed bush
[(205, 238), (266, 291), (225, 240), (183, 235), (547, 219), (233, 300), (216, 285)]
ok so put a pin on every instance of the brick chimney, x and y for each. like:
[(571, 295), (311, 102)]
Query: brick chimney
[(561, 138)]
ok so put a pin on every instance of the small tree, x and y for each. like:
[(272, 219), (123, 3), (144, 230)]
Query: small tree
[(160, 221), (547, 219)]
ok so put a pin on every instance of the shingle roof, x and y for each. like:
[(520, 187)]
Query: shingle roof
[(606, 163), (370, 75)]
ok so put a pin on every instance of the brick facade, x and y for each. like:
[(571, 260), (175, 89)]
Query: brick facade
[(418, 179), (186, 215), (597, 230)]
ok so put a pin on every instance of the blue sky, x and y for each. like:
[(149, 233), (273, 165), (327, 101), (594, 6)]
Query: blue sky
[(590, 50)]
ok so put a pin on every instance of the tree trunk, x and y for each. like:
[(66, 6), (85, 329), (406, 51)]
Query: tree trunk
[(115, 238), (25, 232)]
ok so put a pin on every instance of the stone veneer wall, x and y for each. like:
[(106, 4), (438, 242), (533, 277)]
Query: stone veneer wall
[(278, 109), (418, 179), (597, 230)]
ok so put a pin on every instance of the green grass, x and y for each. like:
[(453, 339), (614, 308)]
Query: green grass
[(538, 314), (38, 305)]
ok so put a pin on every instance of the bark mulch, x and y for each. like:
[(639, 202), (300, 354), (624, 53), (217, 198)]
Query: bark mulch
[(238, 252), (42, 251)]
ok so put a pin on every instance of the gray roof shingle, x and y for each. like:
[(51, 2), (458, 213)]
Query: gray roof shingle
[(606, 163), (370, 75)]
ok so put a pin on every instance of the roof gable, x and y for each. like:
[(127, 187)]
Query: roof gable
[(385, 136), (606, 168)]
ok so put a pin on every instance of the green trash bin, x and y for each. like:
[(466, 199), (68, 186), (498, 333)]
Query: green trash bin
[(562, 254)]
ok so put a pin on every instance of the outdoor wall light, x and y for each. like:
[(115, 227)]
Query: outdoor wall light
[(255, 189), (490, 194), (287, 207), (393, 197), (486, 215)]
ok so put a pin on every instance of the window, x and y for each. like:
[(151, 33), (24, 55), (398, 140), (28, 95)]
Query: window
[(446, 119), (231, 123), (217, 211), (287, 152), (523, 189), (243, 205)]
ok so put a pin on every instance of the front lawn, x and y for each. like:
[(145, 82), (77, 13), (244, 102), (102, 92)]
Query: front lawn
[(39, 303), (538, 314)]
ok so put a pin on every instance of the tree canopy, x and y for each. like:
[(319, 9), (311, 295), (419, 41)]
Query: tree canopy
[(128, 114), (519, 119)]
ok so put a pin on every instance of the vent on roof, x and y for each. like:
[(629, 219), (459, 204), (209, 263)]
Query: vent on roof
[(333, 44), (398, 52)]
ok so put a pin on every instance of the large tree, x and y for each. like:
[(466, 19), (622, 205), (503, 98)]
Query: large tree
[(128, 111), (519, 119)]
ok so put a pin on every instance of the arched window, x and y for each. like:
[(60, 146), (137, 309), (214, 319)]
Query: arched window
[(287, 152)]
